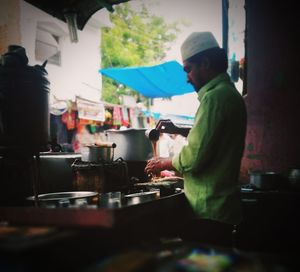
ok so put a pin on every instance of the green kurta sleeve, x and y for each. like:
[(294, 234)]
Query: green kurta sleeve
[(202, 138)]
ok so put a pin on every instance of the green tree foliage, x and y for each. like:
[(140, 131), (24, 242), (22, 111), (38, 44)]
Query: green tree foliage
[(137, 38)]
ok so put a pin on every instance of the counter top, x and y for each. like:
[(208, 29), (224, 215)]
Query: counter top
[(139, 214), (86, 238)]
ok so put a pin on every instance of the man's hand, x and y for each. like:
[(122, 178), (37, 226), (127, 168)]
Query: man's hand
[(156, 165), (166, 126)]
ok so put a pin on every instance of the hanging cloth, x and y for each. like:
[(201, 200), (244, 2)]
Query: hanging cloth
[(69, 118), (117, 116)]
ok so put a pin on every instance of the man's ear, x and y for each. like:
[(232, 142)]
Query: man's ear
[(205, 63)]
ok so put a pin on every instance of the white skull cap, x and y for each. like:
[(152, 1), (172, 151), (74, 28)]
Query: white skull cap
[(197, 42)]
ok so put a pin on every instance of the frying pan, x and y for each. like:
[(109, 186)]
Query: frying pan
[(64, 198)]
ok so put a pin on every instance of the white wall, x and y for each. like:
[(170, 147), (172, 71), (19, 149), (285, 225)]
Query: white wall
[(80, 62)]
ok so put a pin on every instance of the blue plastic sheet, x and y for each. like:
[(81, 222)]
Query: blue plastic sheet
[(163, 80)]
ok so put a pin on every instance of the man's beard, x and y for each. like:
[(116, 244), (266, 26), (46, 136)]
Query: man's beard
[(196, 88)]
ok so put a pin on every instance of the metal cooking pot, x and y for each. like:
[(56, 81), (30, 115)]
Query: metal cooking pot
[(265, 180), (132, 144), (98, 153), (294, 178)]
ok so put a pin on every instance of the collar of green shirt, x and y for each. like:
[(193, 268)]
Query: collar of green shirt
[(211, 84)]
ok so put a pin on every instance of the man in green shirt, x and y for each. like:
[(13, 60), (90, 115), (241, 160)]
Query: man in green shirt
[(210, 162)]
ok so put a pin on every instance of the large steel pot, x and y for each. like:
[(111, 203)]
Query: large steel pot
[(23, 102), (132, 144)]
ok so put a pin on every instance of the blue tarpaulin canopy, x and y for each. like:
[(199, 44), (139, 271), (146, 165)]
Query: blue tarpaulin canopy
[(163, 80)]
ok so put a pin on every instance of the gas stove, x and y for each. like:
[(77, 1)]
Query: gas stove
[(100, 177)]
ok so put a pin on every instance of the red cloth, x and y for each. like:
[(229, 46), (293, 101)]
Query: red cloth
[(117, 116), (131, 114), (69, 118), (125, 115)]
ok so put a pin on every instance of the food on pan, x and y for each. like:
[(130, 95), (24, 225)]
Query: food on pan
[(160, 179)]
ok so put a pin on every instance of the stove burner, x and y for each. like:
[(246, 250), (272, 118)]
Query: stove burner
[(101, 177)]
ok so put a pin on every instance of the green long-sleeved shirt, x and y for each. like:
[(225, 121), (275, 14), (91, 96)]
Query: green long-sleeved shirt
[(210, 162)]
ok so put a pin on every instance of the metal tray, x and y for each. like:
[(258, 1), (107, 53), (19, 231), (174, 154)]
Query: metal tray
[(64, 195)]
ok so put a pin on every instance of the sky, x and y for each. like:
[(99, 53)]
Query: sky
[(203, 15)]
